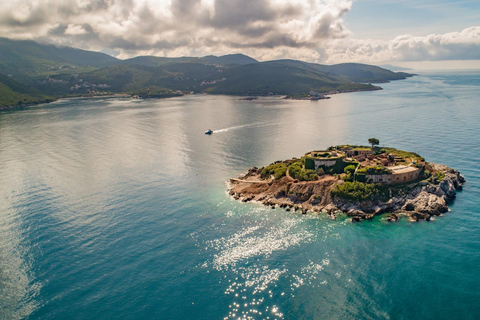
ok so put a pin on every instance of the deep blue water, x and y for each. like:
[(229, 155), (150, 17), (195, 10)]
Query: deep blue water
[(116, 209)]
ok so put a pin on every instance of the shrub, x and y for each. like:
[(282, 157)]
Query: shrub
[(294, 170), (329, 170), (297, 172), (278, 170), (350, 169), (311, 175), (437, 177), (320, 171), (355, 191)]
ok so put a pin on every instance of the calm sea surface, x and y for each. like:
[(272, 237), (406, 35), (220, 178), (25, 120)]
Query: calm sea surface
[(116, 209)]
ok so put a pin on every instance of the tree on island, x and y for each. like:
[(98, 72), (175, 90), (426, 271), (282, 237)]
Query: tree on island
[(374, 142)]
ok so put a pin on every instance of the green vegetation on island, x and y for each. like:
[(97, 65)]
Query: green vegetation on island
[(367, 171), (278, 170), (359, 181), (374, 170), (298, 171), (355, 191)]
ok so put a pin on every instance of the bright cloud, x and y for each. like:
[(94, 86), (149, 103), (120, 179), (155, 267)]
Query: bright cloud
[(311, 30), (177, 26), (463, 45)]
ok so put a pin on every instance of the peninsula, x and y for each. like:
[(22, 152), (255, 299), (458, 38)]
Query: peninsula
[(359, 181), (33, 72)]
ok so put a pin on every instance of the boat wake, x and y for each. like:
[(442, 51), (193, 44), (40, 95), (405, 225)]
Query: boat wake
[(252, 125)]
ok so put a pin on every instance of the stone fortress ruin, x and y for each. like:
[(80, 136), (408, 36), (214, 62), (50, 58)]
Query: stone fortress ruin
[(377, 165)]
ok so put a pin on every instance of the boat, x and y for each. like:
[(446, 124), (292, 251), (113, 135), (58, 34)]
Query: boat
[(208, 131)]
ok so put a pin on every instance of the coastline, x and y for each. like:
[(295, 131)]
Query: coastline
[(65, 98), (323, 96), (418, 200), (20, 106), (246, 97)]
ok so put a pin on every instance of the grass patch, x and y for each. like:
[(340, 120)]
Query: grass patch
[(355, 191), (404, 154), (374, 170)]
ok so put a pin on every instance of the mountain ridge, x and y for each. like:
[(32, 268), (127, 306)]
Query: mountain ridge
[(14, 93), (60, 71)]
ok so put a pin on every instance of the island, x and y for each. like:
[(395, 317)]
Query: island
[(359, 181)]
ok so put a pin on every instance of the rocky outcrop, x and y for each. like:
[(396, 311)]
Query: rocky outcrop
[(417, 200), (393, 217), (425, 202), (432, 200), (420, 201)]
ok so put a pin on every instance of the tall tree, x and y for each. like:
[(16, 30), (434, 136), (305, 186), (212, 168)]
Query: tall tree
[(374, 142)]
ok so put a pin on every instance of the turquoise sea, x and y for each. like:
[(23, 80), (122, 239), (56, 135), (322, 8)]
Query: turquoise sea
[(117, 209)]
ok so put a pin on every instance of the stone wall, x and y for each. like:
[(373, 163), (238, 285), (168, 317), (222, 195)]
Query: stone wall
[(395, 177), (326, 163), (361, 152)]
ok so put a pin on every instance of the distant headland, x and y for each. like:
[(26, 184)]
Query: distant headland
[(359, 181), (33, 72)]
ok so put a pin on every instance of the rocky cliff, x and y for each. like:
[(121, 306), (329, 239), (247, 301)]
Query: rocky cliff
[(419, 200)]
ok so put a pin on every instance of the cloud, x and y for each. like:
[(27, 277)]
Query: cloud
[(311, 30), (463, 45), (169, 27), (74, 30)]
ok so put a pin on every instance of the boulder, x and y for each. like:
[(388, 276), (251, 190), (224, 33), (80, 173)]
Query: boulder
[(393, 217), (355, 212), (368, 215), (292, 197), (426, 202), (430, 188), (356, 219), (448, 187), (416, 216), (439, 192), (316, 200), (382, 208), (330, 209)]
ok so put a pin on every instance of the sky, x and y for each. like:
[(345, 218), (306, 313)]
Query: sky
[(410, 33)]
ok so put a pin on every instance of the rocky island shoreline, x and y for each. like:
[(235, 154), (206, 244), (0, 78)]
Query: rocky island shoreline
[(357, 181)]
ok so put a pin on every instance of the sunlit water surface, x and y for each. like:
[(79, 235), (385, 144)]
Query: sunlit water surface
[(116, 209)]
